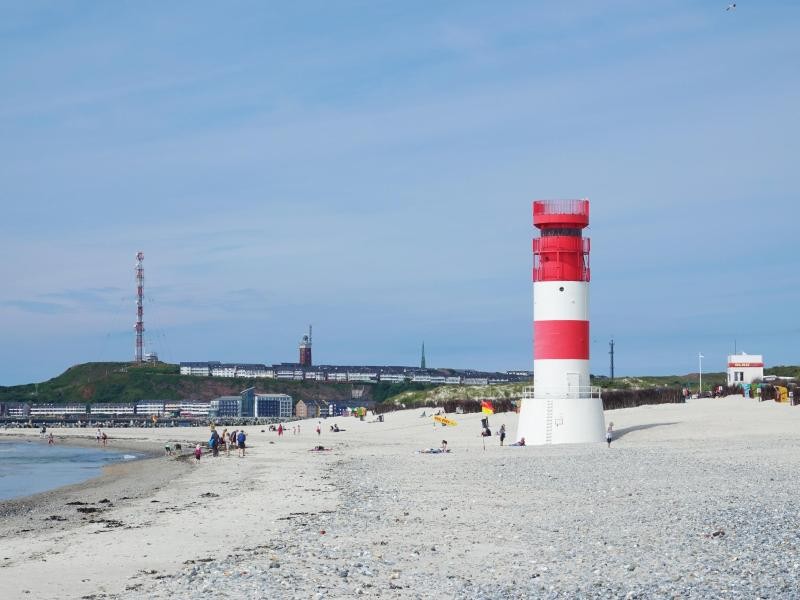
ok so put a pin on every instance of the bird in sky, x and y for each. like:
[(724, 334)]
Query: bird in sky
[(731, 6)]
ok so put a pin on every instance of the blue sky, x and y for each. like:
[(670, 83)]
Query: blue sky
[(368, 167)]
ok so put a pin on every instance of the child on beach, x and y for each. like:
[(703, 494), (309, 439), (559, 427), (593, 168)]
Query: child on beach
[(198, 452), (502, 434), (610, 434)]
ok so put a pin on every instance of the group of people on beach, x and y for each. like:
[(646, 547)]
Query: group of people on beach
[(101, 436), (236, 439)]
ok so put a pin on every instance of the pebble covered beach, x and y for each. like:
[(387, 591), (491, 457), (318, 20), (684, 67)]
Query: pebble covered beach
[(690, 501)]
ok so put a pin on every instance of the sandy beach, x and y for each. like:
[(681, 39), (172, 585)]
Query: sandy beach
[(691, 501)]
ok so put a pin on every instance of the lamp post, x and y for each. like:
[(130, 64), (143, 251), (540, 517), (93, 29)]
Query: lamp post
[(700, 391)]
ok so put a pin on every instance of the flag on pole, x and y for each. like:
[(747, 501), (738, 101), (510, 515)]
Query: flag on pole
[(487, 408)]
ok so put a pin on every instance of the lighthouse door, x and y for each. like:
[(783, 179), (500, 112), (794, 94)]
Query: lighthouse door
[(573, 385)]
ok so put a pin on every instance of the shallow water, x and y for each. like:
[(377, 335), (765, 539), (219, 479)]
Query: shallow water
[(30, 467)]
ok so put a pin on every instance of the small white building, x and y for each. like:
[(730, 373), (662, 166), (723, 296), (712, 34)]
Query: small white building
[(745, 368)]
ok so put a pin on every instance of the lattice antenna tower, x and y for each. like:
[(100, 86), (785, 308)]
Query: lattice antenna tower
[(139, 328)]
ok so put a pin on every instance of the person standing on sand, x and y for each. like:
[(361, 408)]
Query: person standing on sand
[(198, 452), (104, 438), (280, 429), (610, 434), (319, 429), (240, 440), (51, 440), (226, 439), (98, 435), (502, 433), (214, 443)]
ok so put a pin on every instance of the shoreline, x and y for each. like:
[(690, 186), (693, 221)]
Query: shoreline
[(117, 483)]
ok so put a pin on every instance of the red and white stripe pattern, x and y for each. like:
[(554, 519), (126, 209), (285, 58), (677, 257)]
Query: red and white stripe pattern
[(561, 336)]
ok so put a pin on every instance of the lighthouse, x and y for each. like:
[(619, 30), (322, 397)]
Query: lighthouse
[(562, 407)]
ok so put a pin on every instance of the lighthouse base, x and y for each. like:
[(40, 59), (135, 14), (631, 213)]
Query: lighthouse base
[(577, 420)]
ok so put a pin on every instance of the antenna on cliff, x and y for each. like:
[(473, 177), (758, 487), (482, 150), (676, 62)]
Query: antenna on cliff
[(139, 355)]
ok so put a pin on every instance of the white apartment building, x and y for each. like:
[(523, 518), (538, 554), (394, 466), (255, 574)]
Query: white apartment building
[(362, 376), (223, 370), (198, 369), (273, 405), (187, 408), (150, 407), (42, 410), (254, 372), (112, 409), (393, 377)]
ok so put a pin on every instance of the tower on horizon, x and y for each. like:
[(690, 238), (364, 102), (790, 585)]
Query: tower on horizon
[(138, 356), (305, 349), (562, 407), (422, 359)]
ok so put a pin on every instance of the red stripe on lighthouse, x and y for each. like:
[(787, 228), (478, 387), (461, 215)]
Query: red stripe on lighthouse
[(561, 339)]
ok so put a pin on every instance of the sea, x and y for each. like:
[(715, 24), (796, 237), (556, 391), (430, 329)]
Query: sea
[(30, 467)]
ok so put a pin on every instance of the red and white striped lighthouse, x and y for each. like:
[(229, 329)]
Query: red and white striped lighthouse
[(562, 407)]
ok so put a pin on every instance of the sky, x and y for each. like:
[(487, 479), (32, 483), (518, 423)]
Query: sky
[(368, 167)]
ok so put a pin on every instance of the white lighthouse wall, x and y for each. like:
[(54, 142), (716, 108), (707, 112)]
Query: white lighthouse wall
[(552, 304), (551, 376), (569, 421)]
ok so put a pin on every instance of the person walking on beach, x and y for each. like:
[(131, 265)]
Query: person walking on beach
[(214, 443), (280, 429), (226, 439), (319, 429), (198, 452), (98, 435), (610, 434), (240, 441), (104, 438), (51, 440)]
